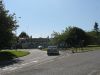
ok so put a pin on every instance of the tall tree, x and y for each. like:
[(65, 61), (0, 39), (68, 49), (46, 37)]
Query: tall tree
[(96, 30), (23, 35), (96, 26), (7, 26), (70, 37), (77, 36)]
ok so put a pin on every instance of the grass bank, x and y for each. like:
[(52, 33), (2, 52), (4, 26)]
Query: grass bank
[(89, 48), (11, 54)]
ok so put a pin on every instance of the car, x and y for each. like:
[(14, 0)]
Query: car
[(52, 50), (40, 47)]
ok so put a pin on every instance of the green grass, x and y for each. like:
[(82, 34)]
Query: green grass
[(89, 48), (11, 54), (92, 48), (18, 53), (93, 45), (86, 49), (45, 49)]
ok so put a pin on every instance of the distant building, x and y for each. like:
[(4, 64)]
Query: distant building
[(29, 43)]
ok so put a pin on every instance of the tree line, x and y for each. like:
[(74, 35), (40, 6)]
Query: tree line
[(76, 37), (8, 25)]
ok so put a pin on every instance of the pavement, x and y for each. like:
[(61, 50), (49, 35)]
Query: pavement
[(82, 63), (36, 56)]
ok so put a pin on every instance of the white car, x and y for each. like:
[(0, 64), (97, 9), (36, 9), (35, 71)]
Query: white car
[(40, 47), (52, 50)]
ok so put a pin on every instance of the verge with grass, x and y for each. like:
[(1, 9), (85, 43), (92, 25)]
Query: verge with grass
[(45, 49), (11, 54)]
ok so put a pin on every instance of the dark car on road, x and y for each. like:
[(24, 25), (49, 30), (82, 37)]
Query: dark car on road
[(52, 50)]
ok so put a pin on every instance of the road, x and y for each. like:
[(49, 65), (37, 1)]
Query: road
[(87, 63)]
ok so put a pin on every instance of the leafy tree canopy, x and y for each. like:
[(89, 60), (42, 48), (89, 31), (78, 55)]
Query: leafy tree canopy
[(8, 24), (23, 35), (96, 28), (71, 35)]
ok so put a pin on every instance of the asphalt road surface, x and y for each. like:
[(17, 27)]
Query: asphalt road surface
[(87, 63)]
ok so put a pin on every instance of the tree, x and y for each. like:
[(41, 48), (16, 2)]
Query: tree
[(23, 35), (94, 35), (76, 36), (96, 30), (7, 26), (71, 36)]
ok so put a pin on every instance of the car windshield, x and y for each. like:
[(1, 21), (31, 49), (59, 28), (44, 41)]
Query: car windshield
[(54, 47)]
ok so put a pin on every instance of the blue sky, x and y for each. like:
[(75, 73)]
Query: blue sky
[(40, 18)]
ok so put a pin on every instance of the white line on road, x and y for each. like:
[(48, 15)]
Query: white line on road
[(10, 68), (93, 72), (14, 68), (34, 61)]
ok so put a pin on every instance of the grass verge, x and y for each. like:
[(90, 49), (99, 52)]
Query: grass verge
[(85, 49), (45, 49), (11, 54)]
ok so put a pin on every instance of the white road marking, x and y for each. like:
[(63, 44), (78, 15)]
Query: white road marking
[(29, 63), (92, 72), (35, 61), (14, 68), (9, 68)]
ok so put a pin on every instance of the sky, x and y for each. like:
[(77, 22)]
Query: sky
[(39, 18)]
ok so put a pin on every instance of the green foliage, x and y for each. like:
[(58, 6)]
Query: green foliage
[(7, 26), (56, 36), (94, 35), (96, 29), (11, 54), (94, 39), (18, 53), (72, 36), (76, 35), (23, 35)]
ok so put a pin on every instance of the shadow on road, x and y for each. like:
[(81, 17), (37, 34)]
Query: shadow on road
[(7, 58), (53, 54), (9, 62)]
